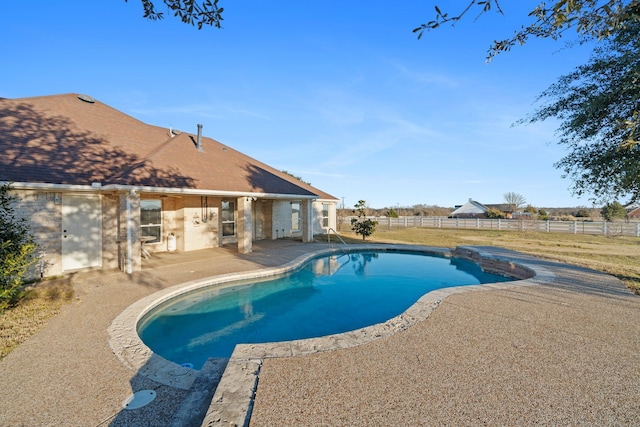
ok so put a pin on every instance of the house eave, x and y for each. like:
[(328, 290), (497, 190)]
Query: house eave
[(97, 187)]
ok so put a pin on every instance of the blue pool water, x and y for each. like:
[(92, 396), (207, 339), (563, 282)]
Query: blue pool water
[(328, 295)]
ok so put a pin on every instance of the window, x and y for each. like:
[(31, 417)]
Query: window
[(151, 220), (295, 216), (228, 218), (325, 215)]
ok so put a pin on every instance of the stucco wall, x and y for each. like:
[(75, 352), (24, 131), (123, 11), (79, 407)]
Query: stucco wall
[(44, 212), (200, 224)]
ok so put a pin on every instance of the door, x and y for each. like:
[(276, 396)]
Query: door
[(81, 231)]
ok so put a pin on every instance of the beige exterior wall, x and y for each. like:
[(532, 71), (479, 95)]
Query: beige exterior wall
[(43, 210), (281, 214), (318, 227), (200, 223), (262, 219), (195, 221), (281, 218)]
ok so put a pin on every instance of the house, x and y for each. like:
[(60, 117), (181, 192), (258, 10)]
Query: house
[(633, 210), (471, 209), (102, 189)]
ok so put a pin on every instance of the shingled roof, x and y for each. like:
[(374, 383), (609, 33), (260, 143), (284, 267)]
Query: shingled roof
[(74, 139)]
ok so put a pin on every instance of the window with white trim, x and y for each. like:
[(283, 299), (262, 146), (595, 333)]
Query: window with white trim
[(296, 215), (325, 215), (151, 220), (228, 218)]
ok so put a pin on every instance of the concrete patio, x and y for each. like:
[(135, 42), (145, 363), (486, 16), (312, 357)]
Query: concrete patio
[(561, 353)]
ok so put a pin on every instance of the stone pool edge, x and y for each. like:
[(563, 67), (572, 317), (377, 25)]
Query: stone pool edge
[(233, 399), (134, 354)]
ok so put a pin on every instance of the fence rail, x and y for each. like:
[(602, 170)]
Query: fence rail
[(572, 227)]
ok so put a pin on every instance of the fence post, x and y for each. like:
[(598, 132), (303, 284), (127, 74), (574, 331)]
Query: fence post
[(638, 229), (548, 226), (439, 222), (604, 228), (499, 224), (575, 227), (478, 223)]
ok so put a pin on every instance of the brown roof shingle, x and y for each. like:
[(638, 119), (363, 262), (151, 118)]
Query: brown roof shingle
[(63, 139)]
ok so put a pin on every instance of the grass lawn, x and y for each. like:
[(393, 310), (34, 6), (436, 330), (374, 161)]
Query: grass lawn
[(39, 304)]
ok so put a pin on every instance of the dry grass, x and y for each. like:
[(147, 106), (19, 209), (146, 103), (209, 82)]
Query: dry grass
[(41, 302), (618, 256)]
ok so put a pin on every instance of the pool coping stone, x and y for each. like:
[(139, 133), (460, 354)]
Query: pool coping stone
[(233, 398)]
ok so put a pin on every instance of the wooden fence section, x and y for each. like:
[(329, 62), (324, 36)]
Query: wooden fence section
[(573, 227)]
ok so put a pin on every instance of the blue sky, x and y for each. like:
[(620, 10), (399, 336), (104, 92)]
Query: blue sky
[(336, 92)]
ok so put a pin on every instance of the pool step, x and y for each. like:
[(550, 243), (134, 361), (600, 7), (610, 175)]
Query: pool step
[(194, 407)]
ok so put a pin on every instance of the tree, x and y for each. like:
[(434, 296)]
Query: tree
[(598, 106), (362, 225), (597, 19), (494, 213), (17, 249), (612, 211), (192, 12), (514, 200)]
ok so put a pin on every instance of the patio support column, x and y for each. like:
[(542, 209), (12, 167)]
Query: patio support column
[(307, 220), (129, 234), (245, 225)]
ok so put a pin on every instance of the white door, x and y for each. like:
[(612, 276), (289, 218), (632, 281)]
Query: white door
[(81, 231)]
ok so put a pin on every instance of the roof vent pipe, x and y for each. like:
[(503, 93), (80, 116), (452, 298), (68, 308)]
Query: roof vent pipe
[(199, 140)]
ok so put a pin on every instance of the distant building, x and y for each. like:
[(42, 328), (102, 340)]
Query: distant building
[(471, 209), (633, 210)]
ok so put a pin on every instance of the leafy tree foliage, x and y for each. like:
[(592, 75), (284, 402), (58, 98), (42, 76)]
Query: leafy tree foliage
[(591, 19), (543, 214), (191, 12), (362, 225), (17, 249), (514, 200), (392, 213), (612, 211), (598, 106), (495, 213)]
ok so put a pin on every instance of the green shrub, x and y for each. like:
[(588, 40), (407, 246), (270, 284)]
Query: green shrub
[(493, 213), (17, 249)]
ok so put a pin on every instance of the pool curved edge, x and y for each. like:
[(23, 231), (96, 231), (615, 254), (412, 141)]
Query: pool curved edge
[(244, 364)]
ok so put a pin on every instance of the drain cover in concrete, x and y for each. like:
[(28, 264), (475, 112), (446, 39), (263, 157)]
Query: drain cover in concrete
[(139, 399)]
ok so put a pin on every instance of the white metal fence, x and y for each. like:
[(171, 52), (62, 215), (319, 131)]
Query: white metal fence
[(573, 227)]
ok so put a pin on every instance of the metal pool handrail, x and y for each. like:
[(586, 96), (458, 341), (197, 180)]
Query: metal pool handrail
[(339, 238)]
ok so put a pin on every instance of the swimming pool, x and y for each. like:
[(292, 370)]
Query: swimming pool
[(327, 295)]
